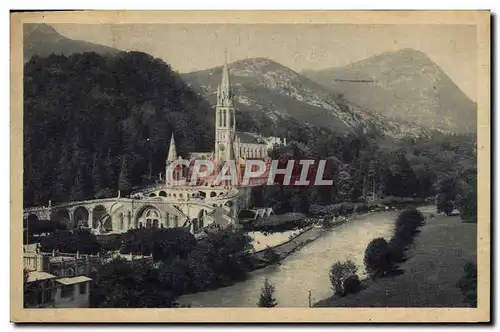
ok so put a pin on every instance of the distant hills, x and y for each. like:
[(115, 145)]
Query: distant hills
[(403, 85), (43, 40), (269, 91), (399, 93)]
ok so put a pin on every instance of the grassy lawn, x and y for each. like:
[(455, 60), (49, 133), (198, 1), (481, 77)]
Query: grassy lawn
[(430, 274)]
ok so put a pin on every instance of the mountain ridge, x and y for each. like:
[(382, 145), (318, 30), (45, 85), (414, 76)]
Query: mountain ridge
[(264, 87), (402, 85), (43, 40)]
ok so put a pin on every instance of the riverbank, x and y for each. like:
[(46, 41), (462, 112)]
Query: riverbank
[(304, 271), (431, 272), (307, 236)]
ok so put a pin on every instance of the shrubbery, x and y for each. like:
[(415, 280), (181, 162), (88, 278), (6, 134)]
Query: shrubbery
[(218, 260), (407, 225), (377, 259), (80, 240), (161, 243), (352, 285), (405, 229), (279, 222), (340, 272), (468, 284)]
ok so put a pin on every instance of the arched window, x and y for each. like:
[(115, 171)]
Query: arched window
[(167, 220), (220, 118), (152, 195), (152, 218), (162, 194), (224, 114), (176, 221)]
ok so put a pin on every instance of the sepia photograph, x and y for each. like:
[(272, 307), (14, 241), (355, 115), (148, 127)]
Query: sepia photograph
[(219, 166)]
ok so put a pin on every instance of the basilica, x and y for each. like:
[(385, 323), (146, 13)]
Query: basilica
[(164, 205)]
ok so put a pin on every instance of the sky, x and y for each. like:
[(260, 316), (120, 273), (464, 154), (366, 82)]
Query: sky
[(190, 47)]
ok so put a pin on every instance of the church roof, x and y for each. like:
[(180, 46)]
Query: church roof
[(249, 138), (172, 152)]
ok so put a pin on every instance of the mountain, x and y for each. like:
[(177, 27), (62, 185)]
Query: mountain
[(403, 85), (271, 94), (43, 40)]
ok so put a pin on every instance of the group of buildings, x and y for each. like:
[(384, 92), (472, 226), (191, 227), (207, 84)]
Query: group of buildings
[(62, 280)]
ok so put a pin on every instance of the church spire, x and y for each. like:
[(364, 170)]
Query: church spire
[(224, 92), (172, 152)]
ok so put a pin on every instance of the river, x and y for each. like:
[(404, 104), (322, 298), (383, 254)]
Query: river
[(306, 270)]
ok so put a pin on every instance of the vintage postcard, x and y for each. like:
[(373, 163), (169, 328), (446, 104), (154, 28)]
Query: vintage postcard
[(250, 166)]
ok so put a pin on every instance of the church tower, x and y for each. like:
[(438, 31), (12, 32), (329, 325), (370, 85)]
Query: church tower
[(225, 123), (172, 156)]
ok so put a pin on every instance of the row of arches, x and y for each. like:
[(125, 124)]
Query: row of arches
[(174, 195), (147, 216), (202, 194), (151, 217), (253, 151)]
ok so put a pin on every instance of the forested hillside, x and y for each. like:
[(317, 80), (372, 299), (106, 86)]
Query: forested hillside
[(93, 124)]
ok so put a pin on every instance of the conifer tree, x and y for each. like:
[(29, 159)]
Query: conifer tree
[(267, 299)]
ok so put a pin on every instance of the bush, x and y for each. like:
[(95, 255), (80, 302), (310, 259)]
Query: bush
[(162, 243), (377, 260), (280, 222), (468, 284), (468, 206), (407, 224), (397, 250), (352, 285), (444, 205), (339, 273)]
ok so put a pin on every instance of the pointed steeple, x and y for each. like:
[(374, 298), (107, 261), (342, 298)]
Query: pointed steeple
[(172, 151), (224, 91)]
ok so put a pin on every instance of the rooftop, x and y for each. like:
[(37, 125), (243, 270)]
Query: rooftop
[(73, 280), (38, 275)]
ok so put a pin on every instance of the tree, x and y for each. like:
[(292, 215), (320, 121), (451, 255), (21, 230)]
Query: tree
[(401, 180), (446, 195), (378, 258), (80, 240), (267, 299), (163, 244), (130, 284), (344, 184), (468, 284), (467, 197), (339, 273)]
